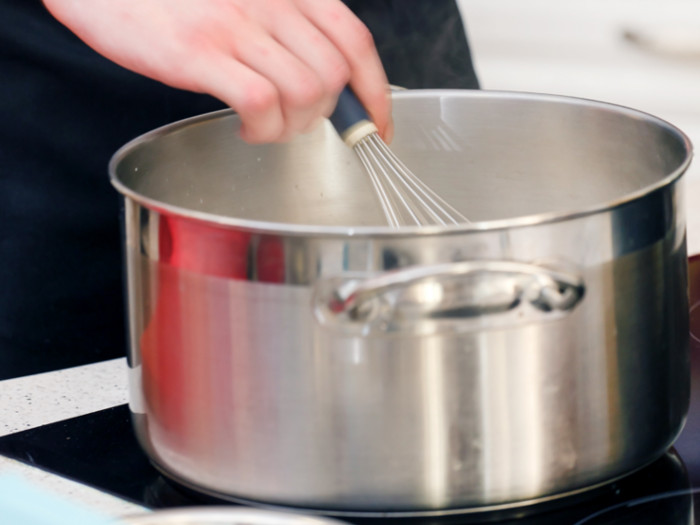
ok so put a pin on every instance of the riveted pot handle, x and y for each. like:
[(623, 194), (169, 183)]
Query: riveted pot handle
[(493, 286)]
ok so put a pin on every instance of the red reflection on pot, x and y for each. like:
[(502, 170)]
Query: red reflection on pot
[(193, 259), (195, 316), (204, 249), (694, 295)]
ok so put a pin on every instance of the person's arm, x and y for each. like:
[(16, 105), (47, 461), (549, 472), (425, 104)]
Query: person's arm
[(279, 63)]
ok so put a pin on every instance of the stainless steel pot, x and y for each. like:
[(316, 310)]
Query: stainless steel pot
[(286, 347)]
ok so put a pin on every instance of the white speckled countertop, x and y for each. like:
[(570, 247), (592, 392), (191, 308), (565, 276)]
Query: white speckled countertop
[(45, 398), (41, 399)]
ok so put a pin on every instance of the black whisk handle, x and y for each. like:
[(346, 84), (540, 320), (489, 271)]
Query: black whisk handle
[(350, 118), (348, 111)]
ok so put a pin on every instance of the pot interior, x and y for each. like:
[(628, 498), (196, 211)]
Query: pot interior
[(493, 156)]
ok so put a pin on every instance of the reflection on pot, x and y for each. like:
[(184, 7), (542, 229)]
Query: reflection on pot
[(694, 279)]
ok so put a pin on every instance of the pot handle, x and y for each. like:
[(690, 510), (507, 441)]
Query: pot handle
[(496, 286)]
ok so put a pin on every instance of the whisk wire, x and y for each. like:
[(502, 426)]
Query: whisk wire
[(384, 199), (404, 198), (440, 211), (395, 199)]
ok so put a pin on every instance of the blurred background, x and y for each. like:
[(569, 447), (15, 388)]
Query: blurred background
[(643, 54)]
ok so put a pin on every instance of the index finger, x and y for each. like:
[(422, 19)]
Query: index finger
[(367, 78)]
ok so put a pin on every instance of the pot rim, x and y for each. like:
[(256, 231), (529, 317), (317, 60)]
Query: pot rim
[(381, 230)]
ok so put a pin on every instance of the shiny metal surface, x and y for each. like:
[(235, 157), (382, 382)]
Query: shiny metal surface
[(240, 389), (497, 286)]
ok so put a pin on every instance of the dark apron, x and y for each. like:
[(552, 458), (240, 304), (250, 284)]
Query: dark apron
[(64, 110)]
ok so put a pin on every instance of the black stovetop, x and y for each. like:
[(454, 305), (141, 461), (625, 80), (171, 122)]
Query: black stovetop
[(100, 450)]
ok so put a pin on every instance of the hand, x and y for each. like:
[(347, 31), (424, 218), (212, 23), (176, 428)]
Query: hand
[(279, 63)]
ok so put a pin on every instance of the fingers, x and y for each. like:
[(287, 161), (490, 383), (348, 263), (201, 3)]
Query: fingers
[(279, 63), (307, 51), (275, 95), (280, 77), (353, 39), (299, 89), (305, 67), (254, 98), (310, 46)]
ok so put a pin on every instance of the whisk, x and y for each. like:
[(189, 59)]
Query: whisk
[(404, 198)]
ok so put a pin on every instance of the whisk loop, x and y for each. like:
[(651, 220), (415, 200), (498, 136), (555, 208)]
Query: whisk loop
[(404, 198)]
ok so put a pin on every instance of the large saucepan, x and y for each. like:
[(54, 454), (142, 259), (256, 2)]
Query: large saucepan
[(287, 347)]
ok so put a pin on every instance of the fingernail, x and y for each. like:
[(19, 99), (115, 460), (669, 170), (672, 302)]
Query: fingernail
[(389, 132)]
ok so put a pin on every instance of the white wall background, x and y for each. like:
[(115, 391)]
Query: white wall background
[(644, 54)]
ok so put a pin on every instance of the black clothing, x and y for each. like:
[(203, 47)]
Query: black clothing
[(422, 43), (64, 110)]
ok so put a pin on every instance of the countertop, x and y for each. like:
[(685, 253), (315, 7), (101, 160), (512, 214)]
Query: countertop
[(513, 50), (41, 399)]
